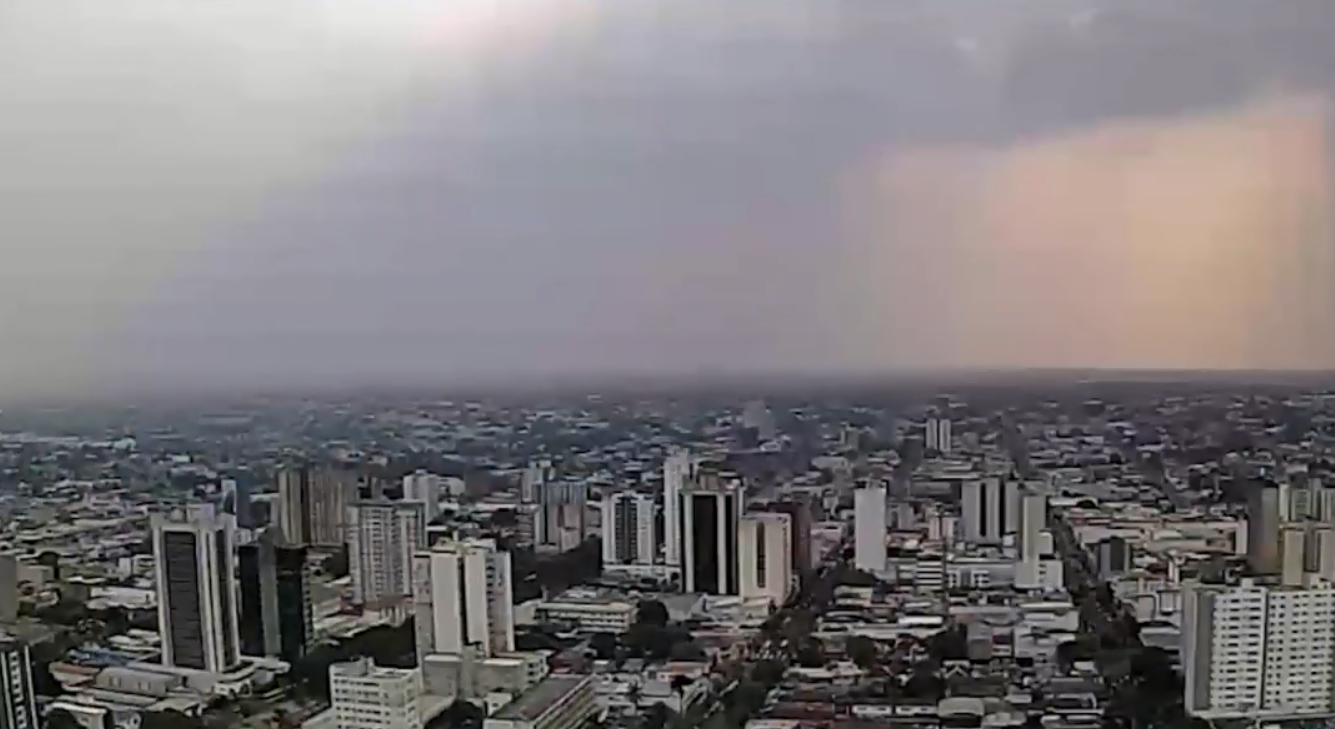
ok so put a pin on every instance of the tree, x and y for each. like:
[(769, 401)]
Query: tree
[(60, 719), (769, 673), (461, 715), (652, 612), (679, 685), (656, 717), (604, 645), (862, 651), (43, 682), (687, 651)]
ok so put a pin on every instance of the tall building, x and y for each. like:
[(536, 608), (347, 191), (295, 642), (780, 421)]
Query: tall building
[(422, 487), (1112, 557), (629, 533), (383, 537), (561, 521), (1250, 650), (313, 505), (9, 587), (18, 703), (1263, 527), (1033, 520), (765, 558), (277, 617), (464, 599), (193, 552), (536, 475), (937, 435), (708, 515), (366, 696), (869, 528), (800, 517), (678, 469), (991, 509)]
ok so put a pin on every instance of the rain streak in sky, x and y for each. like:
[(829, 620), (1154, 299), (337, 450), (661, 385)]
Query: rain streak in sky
[(267, 193)]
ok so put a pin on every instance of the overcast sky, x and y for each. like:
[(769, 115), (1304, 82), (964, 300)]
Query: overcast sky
[(315, 192)]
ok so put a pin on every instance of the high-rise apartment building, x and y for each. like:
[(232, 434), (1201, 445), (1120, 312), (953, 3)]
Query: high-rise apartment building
[(536, 475), (1263, 528), (383, 537), (1252, 651), (193, 551), (678, 469), (9, 587), (798, 509), (869, 527), (709, 512), (277, 617), (765, 558), (561, 521), (1033, 520), (366, 696), (629, 533), (422, 487), (463, 597), (313, 505), (937, 435), (18, 703), (991, 509)]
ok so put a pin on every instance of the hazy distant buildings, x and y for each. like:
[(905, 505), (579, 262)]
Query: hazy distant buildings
[(383, 537), (765, 560), (313, 505), (277, 617), (709, 512), (629, 533), (196, 588), (937, 435), (869, 528)]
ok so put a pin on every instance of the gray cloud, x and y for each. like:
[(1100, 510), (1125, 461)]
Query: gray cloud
[(326, 191)]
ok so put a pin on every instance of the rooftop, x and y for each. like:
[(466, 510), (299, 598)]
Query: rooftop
[(532, 704)]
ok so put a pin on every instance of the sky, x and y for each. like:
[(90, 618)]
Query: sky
[(289, 193)]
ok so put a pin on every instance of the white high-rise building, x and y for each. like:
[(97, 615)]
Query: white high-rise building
[(383, 539), (937, 435), (709, 513), (194, 554), (366, 696), (1253, 651), (313, 505), (991, 510), (869, 528), (422, 487), (765, 556), (1033, 520), (18, 702), (629, 533), (463, 598), (678, 469), (536, 475), (1263, 528)]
